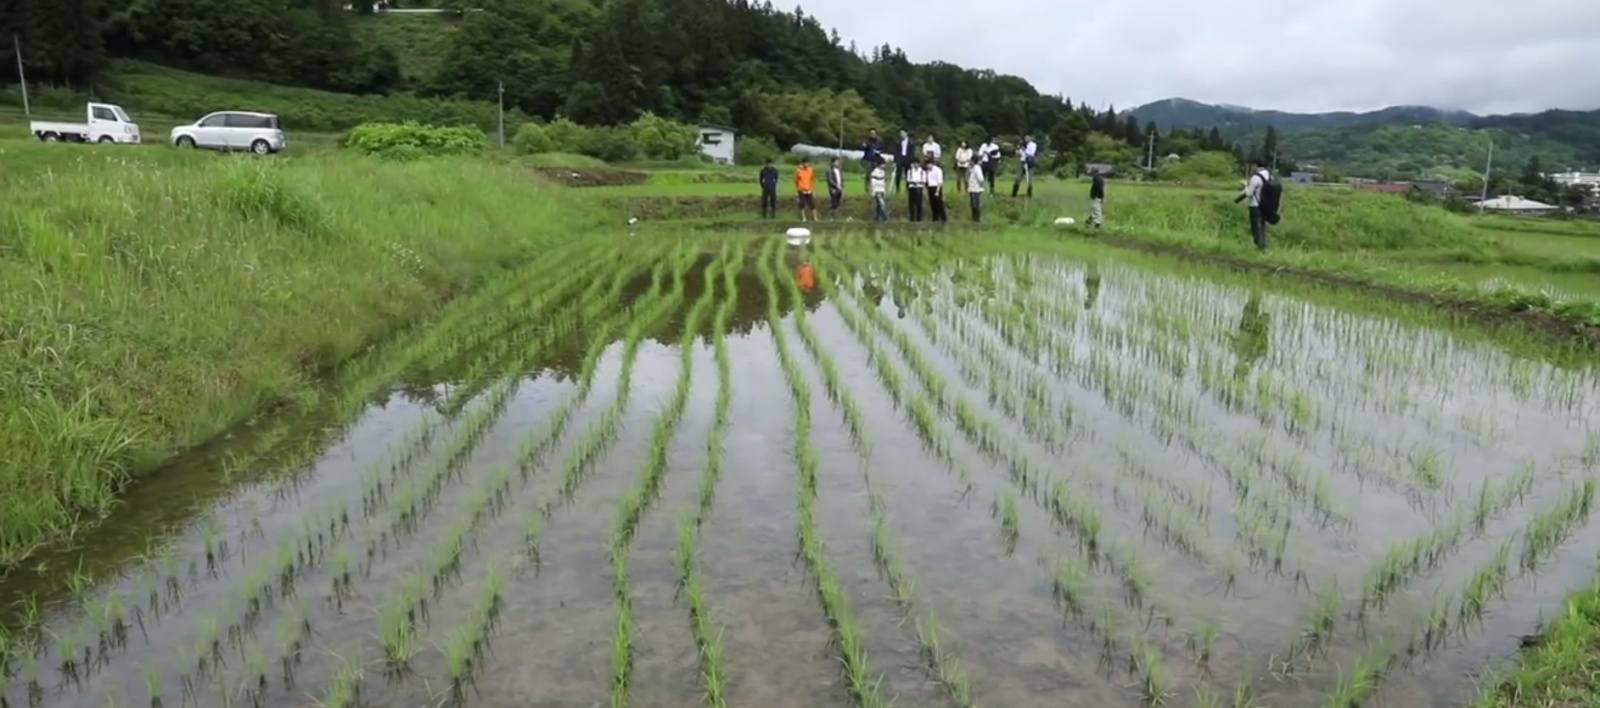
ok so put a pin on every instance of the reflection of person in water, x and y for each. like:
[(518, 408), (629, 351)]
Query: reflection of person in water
[(1091, 283), (871, 290), (806, 275), (1251, 342), (904, 295)]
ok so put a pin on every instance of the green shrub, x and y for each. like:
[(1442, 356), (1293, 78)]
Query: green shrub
[(754, 151), (411, 140), (658, 138), (609, 143), (532, 139)]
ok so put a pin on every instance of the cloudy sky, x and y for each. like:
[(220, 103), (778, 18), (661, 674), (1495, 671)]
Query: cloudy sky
[(1486, 56)]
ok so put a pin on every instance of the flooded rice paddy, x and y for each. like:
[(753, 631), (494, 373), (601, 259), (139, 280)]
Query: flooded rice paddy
[(865, 473)]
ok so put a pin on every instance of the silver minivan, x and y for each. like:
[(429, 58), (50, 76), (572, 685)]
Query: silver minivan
[(232, 130)]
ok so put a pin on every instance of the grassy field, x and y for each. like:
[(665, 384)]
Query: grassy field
[(156, 297), (502, 446)]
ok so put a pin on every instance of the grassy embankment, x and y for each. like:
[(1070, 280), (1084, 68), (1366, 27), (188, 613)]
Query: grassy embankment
[(153, 298)]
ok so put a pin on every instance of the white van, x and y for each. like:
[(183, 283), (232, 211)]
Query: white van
[(232, 130)]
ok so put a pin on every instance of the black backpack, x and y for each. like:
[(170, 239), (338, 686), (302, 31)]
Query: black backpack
[(1271, 198)]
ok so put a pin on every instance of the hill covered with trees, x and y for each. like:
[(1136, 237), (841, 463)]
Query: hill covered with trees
[(1400, 142), (723, 61)]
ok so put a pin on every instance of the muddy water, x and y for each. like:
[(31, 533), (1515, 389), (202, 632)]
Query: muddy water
[(1291, 441)]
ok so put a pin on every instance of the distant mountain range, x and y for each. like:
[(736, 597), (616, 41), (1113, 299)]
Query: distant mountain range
[(1399, 141), (1186, 113)]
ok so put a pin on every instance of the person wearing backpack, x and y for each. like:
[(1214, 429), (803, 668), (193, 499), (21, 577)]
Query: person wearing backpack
[(1264, 194)]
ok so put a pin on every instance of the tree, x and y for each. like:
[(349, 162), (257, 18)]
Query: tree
[(1070, 139), (1104, 148), (1269, 146)]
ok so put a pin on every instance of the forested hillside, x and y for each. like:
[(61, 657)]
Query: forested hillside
[(766, 71)]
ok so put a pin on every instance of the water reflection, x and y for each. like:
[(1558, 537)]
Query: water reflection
[(1251, 340), (1091, 283)]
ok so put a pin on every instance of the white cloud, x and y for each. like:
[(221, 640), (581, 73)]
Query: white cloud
[(1486, 56)]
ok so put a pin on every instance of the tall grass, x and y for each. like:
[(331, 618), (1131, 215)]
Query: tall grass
[(153, 303)]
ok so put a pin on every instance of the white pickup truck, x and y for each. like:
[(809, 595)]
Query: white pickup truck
[(108, 123)]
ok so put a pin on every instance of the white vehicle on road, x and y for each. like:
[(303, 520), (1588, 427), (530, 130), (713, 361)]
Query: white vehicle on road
[(232, 130), (108, 123)]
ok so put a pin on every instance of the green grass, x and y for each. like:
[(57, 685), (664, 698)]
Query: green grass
[(1558, 672), (154, 298)]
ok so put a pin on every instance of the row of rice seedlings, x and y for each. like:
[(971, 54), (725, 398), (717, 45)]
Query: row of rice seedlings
[(465, 326), (622, 636), (1077, 513), (1415, 556), (863, 686), (484, 500), (833, 383), (965, 414), (635, 503), (575, 287), (1018, 391), (979, 431), (718, 434), (1547, 531), (466, 647), (416, 501), (598, 438), (708, 640), (539, 442), (891, 565)]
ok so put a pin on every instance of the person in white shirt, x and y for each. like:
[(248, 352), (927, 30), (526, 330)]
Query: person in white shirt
[(1027, 154), (932, 150), (878, 182), (963, 163), (935, 176), (916, 183), (989, 158), (975, 182)]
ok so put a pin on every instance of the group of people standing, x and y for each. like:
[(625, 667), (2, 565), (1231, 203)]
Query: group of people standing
[(918, 171)]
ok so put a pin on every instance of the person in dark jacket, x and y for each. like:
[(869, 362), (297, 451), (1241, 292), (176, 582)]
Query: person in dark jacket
[(1097, 197), (769, 191), (871, 150), (904, 157)]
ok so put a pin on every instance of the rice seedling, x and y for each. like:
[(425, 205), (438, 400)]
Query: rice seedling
[(1006, 509)]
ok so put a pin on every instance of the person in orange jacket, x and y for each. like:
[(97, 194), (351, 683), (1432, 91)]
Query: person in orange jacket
[(805, 180)]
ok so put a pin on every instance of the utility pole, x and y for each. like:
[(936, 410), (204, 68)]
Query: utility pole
[(1150, 153), (502, 87), (22, 77), (841, 132), (1487, 165)]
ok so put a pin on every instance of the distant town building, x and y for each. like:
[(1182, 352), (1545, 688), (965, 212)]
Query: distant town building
[(1515, 205), (1101, 167), (716, 142), (1304, 177), (1576, 179)]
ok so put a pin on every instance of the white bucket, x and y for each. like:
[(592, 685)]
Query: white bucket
[(798, 236), (1065, 221)]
